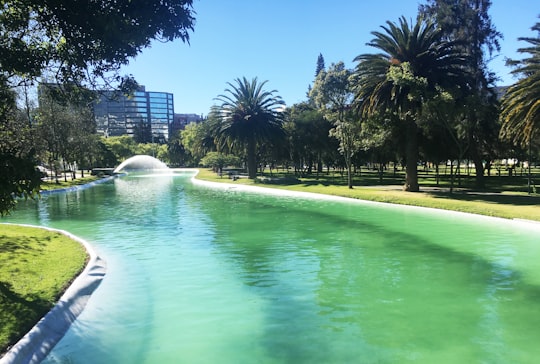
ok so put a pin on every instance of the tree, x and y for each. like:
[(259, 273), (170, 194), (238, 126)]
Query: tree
[(66, 127), (332, 93), (521, 102), (80, 39), (415, 65), (19, 176), (249, 116), (308, 136), (198, 139), (468, 24), (320, 65), (122, 147), (217, 161)]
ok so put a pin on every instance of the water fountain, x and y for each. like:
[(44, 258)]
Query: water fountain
[(141, 163)]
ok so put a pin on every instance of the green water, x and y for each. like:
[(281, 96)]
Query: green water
[(197, 275)]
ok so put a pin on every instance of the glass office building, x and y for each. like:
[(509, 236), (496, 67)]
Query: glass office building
[(120, 115)]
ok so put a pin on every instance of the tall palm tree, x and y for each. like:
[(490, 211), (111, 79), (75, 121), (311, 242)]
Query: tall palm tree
[(416, 64), (249, 116), (521, 102)]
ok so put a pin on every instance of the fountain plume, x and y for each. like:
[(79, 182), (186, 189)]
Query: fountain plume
[(141, 163)]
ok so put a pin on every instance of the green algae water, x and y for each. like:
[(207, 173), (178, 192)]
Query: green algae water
[(202, 275)]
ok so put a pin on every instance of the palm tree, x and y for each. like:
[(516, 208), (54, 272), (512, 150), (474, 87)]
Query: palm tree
[(249, 116), (520, 112), (416, 64), (521, 102)]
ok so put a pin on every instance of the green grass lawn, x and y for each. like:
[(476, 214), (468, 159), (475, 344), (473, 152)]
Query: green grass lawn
[(36, 266), (503, 196), (52, 185)]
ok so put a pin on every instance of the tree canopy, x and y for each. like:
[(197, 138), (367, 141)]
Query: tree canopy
[(521, 103), (249, 116), (416, 65), (81, 40)]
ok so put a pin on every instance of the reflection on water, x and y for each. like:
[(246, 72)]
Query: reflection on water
[(205, 276)]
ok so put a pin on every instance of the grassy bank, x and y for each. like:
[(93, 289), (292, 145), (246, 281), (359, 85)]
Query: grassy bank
[(36, 266), (52, 185), (503, 197)]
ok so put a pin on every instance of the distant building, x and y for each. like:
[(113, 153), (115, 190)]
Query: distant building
[(181, 120), (117, 114)]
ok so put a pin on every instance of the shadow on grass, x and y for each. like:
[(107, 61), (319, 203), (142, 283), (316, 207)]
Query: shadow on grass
[(19, 314), (498, 198), (464, 191), (23, 244)]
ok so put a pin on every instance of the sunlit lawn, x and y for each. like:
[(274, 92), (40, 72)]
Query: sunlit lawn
[(36, 266), (503, 196), (52, 185)]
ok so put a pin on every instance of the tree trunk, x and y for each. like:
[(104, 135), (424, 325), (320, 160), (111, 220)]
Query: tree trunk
[(411, 154), (452, 176), (251, 159), (479, 169), (349, 174)]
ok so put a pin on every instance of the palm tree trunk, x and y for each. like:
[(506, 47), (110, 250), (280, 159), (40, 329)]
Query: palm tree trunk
[(251, 159), (411, 154)]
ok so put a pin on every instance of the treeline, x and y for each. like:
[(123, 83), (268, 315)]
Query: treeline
[(425, 94)]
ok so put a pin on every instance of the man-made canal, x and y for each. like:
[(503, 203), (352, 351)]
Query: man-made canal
[(201, 275)]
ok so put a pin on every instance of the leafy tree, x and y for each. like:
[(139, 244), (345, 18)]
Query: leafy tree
[(218, 160), (81, 39), (307, 132), (18, 174), (249, 117), (104, 157), (416, 64), (67, 128), (332, 93), (122, 147), (468, 24), (198, 139)]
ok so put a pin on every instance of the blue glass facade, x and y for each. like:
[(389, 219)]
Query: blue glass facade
[(119, 115)]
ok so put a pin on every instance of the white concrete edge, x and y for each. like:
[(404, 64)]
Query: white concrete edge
[(522, 223), (40, 340)]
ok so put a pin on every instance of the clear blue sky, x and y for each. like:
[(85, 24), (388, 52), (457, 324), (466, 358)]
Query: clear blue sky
[(279, 41)]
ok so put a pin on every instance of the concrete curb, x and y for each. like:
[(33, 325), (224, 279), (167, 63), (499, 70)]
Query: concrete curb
[(40, 340)]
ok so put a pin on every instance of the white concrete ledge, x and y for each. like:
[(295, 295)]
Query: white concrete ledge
[(37, 343)]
